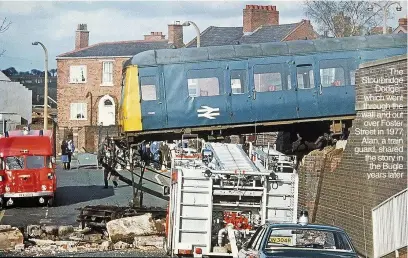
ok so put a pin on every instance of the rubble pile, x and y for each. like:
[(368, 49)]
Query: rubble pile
[(140, 232), (98, 216), (10, 238)]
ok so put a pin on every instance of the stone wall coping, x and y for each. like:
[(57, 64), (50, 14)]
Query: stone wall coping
[(383, 61)]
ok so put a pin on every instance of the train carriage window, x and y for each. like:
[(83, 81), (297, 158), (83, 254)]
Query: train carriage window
[(268, 78), (148, 88), (353, 77), (289, 83), (238, 81), (305, 78), (332, 73), (203, 83)]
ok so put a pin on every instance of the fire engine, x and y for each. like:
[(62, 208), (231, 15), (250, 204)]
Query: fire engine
[(217, 201), (27, 166)]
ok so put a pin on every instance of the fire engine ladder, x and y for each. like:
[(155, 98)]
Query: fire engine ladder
[(280, 198), (194, 213), (232, 157)]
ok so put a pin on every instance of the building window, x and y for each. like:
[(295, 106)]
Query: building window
[(77, 74), (148, 88), (107, 73), (305, 78), (238, 79), (108, 102), (78, 111)]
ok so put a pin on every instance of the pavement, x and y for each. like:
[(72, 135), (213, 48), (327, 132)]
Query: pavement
[(77, 188)]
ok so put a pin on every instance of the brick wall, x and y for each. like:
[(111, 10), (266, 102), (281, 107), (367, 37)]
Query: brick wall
[(347, 196), (303, 31), (76, 92)]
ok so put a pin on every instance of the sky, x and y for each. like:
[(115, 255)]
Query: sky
[(54, 23)]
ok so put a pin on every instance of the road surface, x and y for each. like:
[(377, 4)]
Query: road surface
[(78, 188)]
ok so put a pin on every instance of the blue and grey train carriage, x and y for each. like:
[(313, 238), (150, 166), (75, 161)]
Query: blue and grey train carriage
[(238, 86)]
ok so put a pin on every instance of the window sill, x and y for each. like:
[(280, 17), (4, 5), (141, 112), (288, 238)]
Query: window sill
[(78, 119), (106, 85), (77, 82)]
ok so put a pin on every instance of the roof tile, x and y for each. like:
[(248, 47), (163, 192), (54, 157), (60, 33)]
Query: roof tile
[(121, 48), (219, 36)]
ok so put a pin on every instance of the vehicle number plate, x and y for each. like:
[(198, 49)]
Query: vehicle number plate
[(280, 240), (25, 195)]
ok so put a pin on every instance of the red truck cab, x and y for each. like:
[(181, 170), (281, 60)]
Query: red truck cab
[(28, 165)]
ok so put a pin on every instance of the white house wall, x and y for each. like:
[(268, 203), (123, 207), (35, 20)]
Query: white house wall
[(17, 99)]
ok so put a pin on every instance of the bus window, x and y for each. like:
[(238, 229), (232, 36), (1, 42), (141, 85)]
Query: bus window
[(305, 78), (148, 88), (238, 79)]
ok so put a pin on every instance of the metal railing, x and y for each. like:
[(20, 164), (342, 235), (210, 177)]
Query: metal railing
[(390, 228)]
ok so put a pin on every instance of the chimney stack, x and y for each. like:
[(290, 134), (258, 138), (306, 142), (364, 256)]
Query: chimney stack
[(154, 36), (254, 16), (81, 37), (176, 34)]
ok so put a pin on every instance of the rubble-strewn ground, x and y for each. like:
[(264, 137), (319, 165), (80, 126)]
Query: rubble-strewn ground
[(115, 253), (76, 189)]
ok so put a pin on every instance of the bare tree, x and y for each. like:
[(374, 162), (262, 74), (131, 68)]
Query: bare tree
[(4, 25), (343, 18)]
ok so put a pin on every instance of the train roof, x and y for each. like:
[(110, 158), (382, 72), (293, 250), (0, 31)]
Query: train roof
[(295, 47)]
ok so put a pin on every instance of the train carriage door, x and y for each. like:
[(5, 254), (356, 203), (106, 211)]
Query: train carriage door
[(332, 94), (273, 97), (238, 92), (306, 87), (152, 98), (207, 100)]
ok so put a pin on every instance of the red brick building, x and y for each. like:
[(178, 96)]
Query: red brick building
[(89, 82)]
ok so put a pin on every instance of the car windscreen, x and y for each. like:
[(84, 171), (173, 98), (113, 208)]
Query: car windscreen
[(14, 163), (34, 162), (308, 238)]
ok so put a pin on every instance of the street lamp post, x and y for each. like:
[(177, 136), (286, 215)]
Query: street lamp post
[(384, 8), (188, 23), (45, 84)]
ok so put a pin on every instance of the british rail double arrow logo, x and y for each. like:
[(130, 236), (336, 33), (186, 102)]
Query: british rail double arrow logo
[(208, 112)]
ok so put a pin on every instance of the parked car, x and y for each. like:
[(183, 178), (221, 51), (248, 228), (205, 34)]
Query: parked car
[(298, 240)]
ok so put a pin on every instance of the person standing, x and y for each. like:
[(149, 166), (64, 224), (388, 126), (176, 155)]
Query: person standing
[(64, 154), (71, 149)]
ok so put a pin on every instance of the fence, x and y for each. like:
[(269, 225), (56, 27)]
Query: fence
[(390, 225)]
